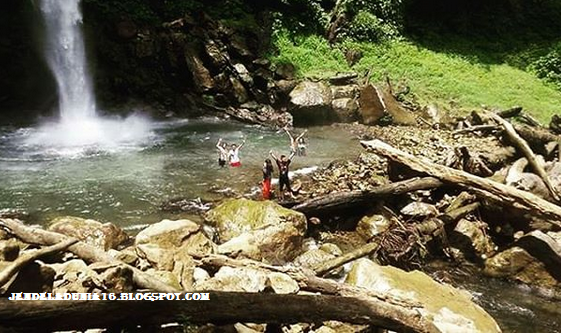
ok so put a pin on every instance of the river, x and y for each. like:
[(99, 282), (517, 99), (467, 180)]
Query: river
[(126, 183)]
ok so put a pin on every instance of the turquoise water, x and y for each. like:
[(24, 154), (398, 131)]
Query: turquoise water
[(126, 184)]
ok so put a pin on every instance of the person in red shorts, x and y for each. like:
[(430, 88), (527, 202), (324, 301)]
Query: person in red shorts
[(267, 175), (234, 155)]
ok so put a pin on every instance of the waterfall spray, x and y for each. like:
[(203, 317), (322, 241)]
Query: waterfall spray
[(79, 127)]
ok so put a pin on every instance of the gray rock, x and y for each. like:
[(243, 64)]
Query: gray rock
[(311, 103), (346, 109), (101, 235)]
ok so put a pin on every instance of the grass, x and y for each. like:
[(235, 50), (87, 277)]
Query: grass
[(453, 81)]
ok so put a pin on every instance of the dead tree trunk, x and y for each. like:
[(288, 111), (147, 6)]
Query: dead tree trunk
[(524, 201), (346, 200), (26, 258), (222, 308), (86, 252), (527, 151)]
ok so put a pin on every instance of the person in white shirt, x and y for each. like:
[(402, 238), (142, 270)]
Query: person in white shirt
[(234, 155)]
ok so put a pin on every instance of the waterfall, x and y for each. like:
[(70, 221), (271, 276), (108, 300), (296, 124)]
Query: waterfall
[(66, 56), (79, 128)]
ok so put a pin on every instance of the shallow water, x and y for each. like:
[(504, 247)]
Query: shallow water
[(126, 183)]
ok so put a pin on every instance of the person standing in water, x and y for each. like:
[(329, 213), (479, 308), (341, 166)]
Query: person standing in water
[(234, 155), (222, 153), (298, 144), (267, 175), (284, 181)]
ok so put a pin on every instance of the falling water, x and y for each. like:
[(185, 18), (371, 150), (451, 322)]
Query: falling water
[(66, 56), (79, 127)]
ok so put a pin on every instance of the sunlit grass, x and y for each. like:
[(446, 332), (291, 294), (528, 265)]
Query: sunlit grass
[(450, 80)]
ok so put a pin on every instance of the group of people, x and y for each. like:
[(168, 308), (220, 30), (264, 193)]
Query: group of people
[(298, 147)]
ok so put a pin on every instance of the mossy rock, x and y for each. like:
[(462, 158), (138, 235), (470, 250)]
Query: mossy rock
[(237, 216), (450, 309)]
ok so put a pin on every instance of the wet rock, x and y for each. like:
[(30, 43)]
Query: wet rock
[(284, 87), (346, 109), (450, 309), (311, 103), (101, 235), (372, 225), (470, 240), (126, 29), (9, 250), (264, 115), (534, 259)]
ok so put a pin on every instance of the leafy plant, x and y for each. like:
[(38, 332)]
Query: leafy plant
[(548, 67)]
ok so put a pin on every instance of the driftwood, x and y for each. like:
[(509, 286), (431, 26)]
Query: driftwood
[(509, 113), (222, 308), (26, 258), (527, 151), (325, 267), (486, 188), (400, 311), (476, 128), (85, 251), (352, 199)]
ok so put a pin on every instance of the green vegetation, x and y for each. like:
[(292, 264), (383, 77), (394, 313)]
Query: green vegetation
[(460, 56), (448, 79)]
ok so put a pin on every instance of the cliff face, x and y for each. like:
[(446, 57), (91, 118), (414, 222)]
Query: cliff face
[(181, 65), (27, 87)]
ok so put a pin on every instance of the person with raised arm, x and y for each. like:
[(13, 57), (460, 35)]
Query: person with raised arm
[(283, 164), (297, 144), (234, 154), (222, 153)]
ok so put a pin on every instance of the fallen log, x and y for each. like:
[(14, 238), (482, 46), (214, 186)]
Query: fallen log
[(324, 267), (85, 251), (486, 188), (222, 308), (26, 258), (352, 199), (527, 151)]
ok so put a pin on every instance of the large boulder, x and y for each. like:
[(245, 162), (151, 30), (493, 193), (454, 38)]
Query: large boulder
[(371, 105), (261, 230), (169, 246), (346, 109), (101, 235), (311, 103), (535, 259), (450, 309)]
